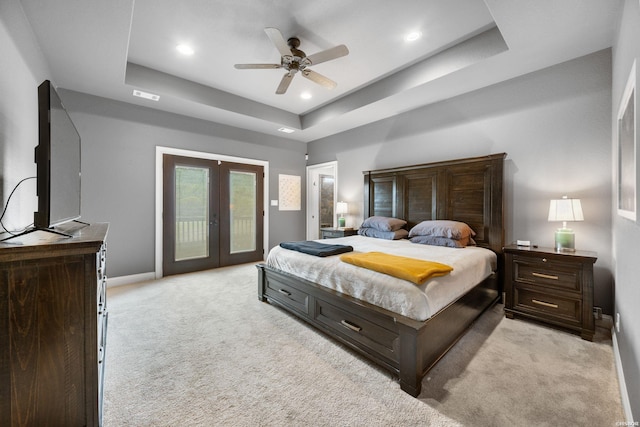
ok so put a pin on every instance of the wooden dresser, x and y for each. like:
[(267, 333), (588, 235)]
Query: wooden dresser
[(552, 287), (53, 323)]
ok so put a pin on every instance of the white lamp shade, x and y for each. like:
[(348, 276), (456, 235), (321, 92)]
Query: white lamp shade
[(565, 210), (342, 208)]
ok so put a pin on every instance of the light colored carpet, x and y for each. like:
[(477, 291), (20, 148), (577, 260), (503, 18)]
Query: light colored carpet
[(200, 350)]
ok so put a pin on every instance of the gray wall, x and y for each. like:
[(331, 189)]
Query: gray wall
[(626, 233), (22, 69), (118, 152), (118, 170), (553, 124)]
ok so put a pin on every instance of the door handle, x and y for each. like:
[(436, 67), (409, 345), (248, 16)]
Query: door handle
[(350, 325)]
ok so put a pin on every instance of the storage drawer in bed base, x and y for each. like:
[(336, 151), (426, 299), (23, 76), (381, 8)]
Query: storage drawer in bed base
[(374, 335), (283, 291), (405, 347), (359, 328)]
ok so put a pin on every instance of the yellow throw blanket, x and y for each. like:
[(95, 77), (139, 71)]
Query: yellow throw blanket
[(411, 269)]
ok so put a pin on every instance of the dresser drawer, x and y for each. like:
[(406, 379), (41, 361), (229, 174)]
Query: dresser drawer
[(550, 306), (379, 335), (288, 295), (102, 296), (101, 261), (541, 271)]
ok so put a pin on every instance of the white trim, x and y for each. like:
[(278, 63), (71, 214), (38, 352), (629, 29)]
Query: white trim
[(624, 395), (112, 282), (629, 89), (209, 156), (310, 193)]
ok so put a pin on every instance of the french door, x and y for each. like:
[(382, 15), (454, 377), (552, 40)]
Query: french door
[(212, 214)]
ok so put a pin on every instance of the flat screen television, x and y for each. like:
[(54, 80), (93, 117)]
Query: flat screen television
[(57, 159)]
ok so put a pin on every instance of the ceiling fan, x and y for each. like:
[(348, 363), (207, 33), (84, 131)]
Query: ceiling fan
[(294, 60)]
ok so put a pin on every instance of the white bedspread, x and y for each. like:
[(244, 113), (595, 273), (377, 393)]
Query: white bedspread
[(470, 265)]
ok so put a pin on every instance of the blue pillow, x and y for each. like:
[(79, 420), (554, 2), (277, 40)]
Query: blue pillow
[(384, 223), (389, 235)]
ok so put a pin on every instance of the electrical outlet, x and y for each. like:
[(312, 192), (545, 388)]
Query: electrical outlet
[(618, 323), (597, 313)]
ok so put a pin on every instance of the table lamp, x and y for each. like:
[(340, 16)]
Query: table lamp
[(564, 210), (341, 209)]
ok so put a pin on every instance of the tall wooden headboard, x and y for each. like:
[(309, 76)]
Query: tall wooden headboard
[(467, 190)]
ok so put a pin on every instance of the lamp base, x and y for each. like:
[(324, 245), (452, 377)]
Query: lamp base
[(565, 240), (341, 222)]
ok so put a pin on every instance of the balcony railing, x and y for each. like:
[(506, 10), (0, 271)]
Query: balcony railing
[(192, 236)]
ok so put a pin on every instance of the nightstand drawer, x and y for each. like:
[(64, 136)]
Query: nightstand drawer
[(542, 271), (550, 286), (330, 234), (548, 305)]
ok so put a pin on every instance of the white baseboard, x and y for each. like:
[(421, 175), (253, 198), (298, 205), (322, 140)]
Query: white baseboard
[(127, 280), (624, 395)]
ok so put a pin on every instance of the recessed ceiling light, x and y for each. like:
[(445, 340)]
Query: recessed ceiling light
[(146, 95), (185, 49), (305, 95), (286, 130), (413, 36)]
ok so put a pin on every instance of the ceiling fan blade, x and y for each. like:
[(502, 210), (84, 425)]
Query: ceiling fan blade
[(284, 83), (319, 78), (256, 66), (329, 54), (280, 43)]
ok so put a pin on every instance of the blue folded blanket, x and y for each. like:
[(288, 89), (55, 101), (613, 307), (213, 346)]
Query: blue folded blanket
[(315, 248)]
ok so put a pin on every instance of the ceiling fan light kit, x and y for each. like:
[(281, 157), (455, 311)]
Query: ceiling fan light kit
[(293, 60)]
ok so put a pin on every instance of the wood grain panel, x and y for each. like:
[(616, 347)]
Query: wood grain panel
[(467, 195), (23, 344), (5, 379), (383, 195), (467, 190), (72, 317), (51, 370), (420, 198)]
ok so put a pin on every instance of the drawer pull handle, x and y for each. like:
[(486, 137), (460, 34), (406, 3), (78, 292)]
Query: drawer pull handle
[(545, 276), (546, 304), (350, 325), (282, 291)]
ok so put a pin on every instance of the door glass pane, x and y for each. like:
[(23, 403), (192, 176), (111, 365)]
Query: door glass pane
[(242, 211), (326, 201), (192, 212)]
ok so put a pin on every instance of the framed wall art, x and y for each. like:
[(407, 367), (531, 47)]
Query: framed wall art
[(627, 150), (289, 192)]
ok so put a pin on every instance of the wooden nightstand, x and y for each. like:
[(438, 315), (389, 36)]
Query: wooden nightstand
[(332, 233), (552, 287)]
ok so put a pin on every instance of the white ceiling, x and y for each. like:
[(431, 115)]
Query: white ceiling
[(109, 48)]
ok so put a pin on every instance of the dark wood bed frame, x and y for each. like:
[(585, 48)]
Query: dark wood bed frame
[(468, 190)]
